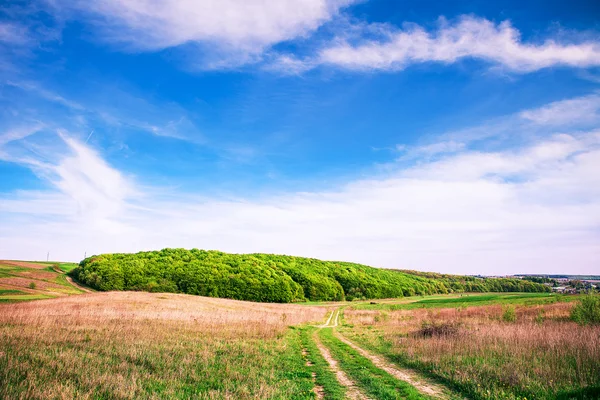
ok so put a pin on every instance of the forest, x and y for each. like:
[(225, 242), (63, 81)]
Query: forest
[(272, 278)]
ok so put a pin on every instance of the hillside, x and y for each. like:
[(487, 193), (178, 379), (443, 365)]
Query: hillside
[(271, 278)]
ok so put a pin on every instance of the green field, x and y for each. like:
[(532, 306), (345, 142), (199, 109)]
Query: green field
[(467, 300), (24, 281)]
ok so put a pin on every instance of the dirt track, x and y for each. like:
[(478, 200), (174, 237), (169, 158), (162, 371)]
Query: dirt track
[(352, 391), (77, 285), (420, 383)]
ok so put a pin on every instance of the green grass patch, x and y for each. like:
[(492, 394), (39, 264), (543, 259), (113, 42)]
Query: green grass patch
[(375, 382), (10, 291), (469, 300), (13, 298), (67, 267)]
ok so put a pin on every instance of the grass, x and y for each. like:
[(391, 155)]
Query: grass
[(9, 291), (22, 297), (324, 377), (33, 281), (375, 382), (538, 354), (67, 267), (466, 300), (140, 345)]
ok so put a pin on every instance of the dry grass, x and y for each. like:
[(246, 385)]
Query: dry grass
[(540, 355), (142, 345), (23, 283)]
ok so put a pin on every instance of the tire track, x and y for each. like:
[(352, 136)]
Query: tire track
[(352, 391), (422, 385)]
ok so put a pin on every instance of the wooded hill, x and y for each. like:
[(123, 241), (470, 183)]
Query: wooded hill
[(272, 278)]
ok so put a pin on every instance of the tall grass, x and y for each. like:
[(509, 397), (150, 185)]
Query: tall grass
[(140, 345), (486, 358)]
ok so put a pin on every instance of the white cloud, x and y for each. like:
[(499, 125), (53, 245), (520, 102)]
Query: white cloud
[(88, 190), (532, 209), (469, 37), (99, 191), (566, 112), (240, 29)]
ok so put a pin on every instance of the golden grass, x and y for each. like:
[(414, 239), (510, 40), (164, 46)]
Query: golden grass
[(132, 345)]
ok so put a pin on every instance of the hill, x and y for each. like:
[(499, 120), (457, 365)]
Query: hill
[(271, 278)]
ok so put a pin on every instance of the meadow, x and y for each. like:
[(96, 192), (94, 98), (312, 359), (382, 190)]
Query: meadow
[(122, 345), (25, 280), (507, 349), (73, 343)]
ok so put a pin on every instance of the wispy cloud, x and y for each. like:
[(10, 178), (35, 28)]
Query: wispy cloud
[(88, 190), (583, 110), (469, 37), (531, 209), (430, 150), (46, 94), (110, 106), (14, 34)]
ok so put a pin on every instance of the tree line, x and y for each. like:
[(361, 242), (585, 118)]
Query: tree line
[(272, 278)]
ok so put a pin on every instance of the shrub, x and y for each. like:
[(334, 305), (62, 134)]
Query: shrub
[(430, 329), (32, 285), (587, 310), (509, 314)]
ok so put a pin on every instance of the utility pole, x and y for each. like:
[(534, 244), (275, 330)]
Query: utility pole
[(47, 256)]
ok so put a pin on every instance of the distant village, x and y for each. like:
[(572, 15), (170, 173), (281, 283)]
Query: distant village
[(569, 284)]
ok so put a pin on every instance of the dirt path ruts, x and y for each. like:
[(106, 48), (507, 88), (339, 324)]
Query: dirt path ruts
[(422, 385), (328, 320), (352, 391), (77, 285)]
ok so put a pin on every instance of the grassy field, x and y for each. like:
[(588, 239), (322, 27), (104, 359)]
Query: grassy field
[(23, 280), (141, 345), (125, 345), (464, 300), (540, 354)]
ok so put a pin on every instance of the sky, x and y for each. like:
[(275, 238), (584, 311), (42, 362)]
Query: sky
[(451, 136)]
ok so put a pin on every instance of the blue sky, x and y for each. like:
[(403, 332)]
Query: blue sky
[(451, 136)]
